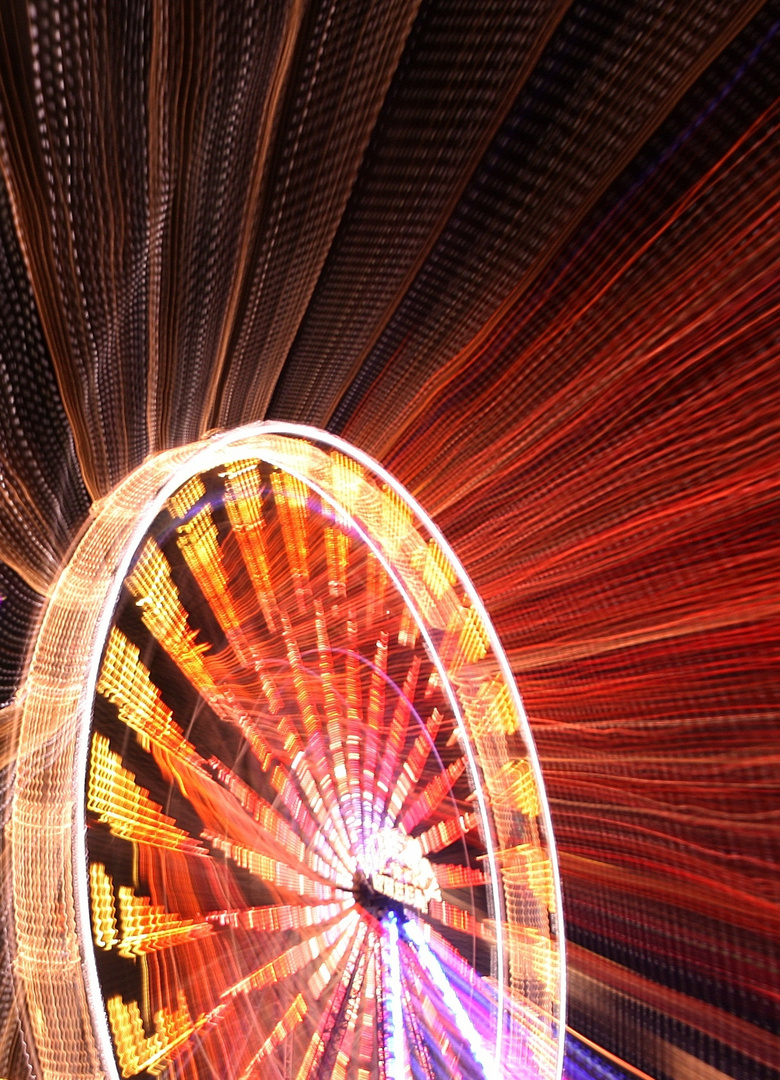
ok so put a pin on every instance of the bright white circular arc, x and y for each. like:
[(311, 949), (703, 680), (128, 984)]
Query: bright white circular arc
[(208, 457)]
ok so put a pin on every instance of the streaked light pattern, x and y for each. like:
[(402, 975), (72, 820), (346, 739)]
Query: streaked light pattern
[(311, 837)]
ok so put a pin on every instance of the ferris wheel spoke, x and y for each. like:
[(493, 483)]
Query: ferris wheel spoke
[(342, 1015), (293, 1016), (432, 795), (141, 707), (288, 880), (296, 915), (299, 792), (290, 499), (271, 821), (325, 946), (399, 725), (245, 510), (455, 876), (409, 776), (344, 960), (165, 617), (342, 738), (446, 832), (375, 710), (198, 541), (354, 730), (365, 1036), (117, 800)]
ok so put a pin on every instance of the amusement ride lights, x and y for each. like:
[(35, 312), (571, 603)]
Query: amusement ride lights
[(277, 810)]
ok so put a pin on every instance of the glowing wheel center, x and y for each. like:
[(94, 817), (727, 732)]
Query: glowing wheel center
[(392, 867)]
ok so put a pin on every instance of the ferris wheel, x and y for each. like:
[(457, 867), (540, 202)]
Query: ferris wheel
[(277, 810)]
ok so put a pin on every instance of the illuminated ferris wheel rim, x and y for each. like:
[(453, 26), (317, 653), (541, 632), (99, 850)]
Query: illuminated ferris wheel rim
[(257, 440)]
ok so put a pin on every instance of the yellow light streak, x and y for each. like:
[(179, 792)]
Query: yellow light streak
[(291, 498), (116, 799), (147, 927), (104, 927), (198, 542), (245, 511), (134, 1050), (183, 500)]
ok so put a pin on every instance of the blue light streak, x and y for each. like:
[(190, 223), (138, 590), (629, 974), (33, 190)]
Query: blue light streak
[(462, 1020)]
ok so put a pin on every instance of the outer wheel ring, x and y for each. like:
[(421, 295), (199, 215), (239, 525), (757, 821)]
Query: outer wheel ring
[(54, 959)]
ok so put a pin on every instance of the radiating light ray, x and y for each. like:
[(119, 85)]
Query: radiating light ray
[(279, 916), (305, 883), (198, 541), (354, 727), (344, 1006), (290, 500), (374, 721), (309, 811), (141, 708), (333, 711), (318, 1044), (300, 678), (224, 817), (292, 960), (337, 553), (147, 927), (137, 1052), (341, 959), (271, 821), (432, 795), (316, 761), (164, 615), (244, 506), (291, 1019), (457, 877), (456, 918), (341, 841), (377, 584)]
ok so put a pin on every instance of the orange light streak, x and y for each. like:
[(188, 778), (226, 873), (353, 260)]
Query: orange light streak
[(279, 916), (375, 715), (147, 927)]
